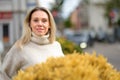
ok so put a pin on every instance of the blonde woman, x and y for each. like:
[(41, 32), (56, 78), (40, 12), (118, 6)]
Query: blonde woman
[(35, 46)]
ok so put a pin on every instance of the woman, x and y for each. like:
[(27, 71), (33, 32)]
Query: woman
[(36, 44)]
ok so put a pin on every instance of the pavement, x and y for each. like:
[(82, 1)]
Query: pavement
[(110, 51)]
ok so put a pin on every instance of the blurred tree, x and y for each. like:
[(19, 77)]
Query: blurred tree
[(57, 7), (56, 11), (68, 23), (87, 1), (118, 22), (110, 7), (58, 4)]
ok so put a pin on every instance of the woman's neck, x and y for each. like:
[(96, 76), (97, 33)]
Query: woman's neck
[(42, 40)]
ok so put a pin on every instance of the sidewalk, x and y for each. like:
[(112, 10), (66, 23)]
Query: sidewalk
[(110, 51)]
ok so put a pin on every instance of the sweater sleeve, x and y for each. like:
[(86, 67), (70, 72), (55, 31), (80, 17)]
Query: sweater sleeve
[(59, 49), (11, 64)]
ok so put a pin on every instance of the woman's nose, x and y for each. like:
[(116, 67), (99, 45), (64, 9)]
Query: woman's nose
[(40, 22)]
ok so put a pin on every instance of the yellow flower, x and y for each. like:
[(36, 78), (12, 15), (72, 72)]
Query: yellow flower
[(73, 66)]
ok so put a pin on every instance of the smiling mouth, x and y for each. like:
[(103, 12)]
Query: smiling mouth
[(39, 29)]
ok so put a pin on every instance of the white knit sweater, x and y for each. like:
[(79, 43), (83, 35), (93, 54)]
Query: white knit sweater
[(31, 54)]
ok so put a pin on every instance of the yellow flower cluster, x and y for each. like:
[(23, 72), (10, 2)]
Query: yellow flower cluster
[(74, 66)]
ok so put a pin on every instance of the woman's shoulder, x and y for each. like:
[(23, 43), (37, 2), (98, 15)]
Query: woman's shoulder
[(14, 47), (56, 42), (13, 50)]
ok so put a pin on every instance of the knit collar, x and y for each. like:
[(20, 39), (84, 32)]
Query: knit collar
[(40, 39)]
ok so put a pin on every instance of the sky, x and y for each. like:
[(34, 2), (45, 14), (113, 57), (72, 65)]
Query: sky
[(68, 6), (45, 3)]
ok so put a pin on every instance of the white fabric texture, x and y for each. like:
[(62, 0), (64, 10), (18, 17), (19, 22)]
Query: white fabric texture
[(40, 39), (32, 53)]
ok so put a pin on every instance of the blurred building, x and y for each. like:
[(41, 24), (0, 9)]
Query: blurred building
[(75, 19), (12, 14), (90, 15), (97, 15)]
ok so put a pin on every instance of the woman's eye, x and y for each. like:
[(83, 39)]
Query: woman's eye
[(44, 20), (35, 20)]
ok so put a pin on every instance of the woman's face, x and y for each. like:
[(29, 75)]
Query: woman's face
[(39, 23)]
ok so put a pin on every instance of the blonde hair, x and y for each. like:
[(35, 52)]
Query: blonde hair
[(27, 30)]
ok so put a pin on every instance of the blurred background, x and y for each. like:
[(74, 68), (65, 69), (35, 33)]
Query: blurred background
[(93, 25)]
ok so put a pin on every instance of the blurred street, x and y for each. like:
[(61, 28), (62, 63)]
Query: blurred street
[(110, 51)]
